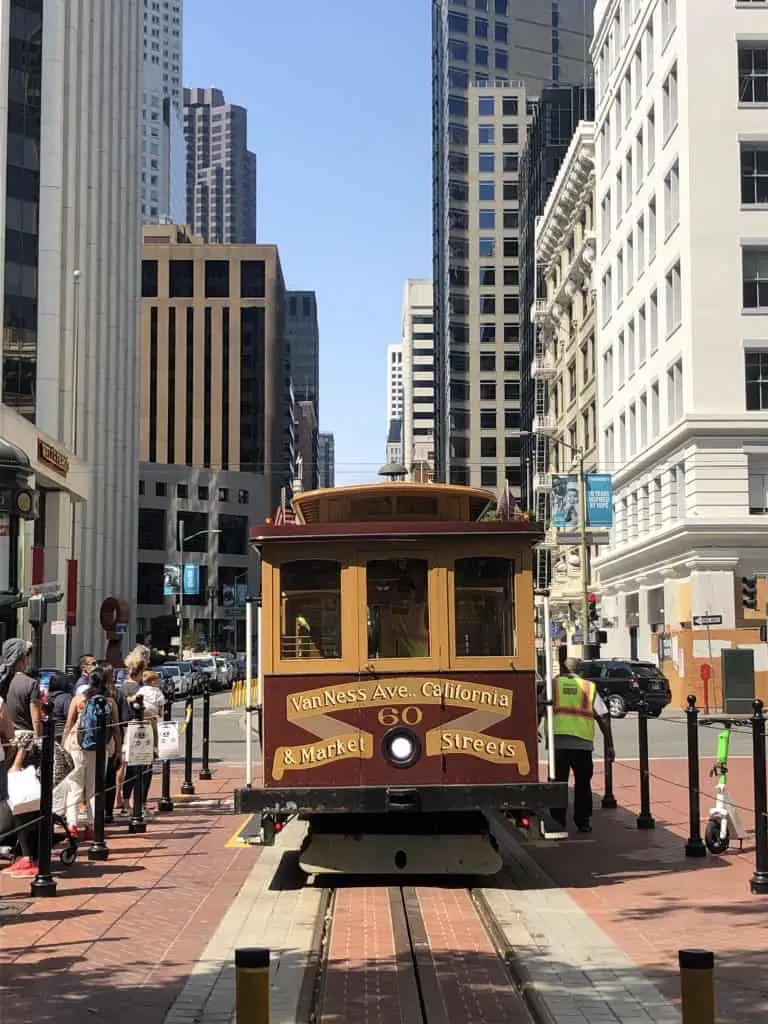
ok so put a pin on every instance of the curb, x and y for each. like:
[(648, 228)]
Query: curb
[(526, 868)]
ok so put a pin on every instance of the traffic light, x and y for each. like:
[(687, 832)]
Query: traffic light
[(592, 608), (749, 591)]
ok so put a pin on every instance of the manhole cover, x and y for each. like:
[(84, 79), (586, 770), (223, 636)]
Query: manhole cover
[(11, 910)]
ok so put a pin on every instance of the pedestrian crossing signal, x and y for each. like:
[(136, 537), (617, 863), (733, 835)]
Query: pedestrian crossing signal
[(749, 592)]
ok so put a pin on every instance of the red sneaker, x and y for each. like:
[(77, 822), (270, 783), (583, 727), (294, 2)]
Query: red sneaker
[(22, 867)]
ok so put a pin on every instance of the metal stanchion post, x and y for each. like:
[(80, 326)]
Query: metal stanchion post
[(644, 819), (137, 825), (609, 800), (99, 849), (697, 986), (44, 884), (205, 771), (251, 986), (188, 786), (165, 804), (694, 847), (759, 882)]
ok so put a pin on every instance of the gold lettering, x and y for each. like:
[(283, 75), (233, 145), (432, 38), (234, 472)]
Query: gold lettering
[(308, 755), (477, 744), (473, 696)]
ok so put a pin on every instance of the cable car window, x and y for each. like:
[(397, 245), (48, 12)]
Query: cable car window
[(310, 610), (485, 611), (398, 616)]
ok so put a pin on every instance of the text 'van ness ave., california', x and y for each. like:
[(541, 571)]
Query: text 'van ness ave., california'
[(369, 694)]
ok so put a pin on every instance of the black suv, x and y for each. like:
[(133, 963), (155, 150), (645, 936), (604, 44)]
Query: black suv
[(627, 682)]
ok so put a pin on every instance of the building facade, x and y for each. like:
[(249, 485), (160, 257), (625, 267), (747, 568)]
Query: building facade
[(683, 319), (564, 360), (556, 114), (488, 65), (418, 348), (326, 458), (221, 171), (70, 219), (216, 412), (307, 466), (394, 403), (163, 155), (303, 334)]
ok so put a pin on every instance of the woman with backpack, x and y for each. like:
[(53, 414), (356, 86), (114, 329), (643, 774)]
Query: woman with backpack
[(79, 741)]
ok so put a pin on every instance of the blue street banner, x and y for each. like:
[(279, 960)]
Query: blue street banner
[(171, 581), (599, 501), (566, 506), (192, 578)]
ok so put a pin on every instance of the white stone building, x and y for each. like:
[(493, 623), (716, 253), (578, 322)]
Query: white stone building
[(418, 348), (682, 296)]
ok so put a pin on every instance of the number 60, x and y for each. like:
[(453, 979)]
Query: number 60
[(410, 715)]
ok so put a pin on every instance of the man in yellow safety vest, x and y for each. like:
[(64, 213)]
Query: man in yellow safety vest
[(577, 707)]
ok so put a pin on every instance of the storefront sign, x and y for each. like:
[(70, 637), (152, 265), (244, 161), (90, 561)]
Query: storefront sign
[(52, 457)]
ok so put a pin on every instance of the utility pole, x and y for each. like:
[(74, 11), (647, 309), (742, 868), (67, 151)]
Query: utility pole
[(585, 645), (181, 589)]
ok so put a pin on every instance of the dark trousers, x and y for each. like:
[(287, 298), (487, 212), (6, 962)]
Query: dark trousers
[(136, 774), (580, 763), (110, 787)]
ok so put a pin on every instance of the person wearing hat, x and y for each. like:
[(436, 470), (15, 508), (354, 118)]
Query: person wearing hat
[(19, 690)]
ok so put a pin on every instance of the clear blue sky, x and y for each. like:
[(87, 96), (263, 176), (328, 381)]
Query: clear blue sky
[(339, 114)]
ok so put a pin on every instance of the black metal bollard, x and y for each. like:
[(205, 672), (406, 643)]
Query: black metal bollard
[(165, 804), (759, 882), (137, 825), (645, 818), (188, 786), (99, 849), (609, 800), (205, 771), (44, 884), (694, 847)]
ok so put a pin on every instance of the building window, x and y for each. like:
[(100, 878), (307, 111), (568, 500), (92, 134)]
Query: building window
[(675, 393), (605, 218), (481, 56), (458, 50), (608, 373), (182, 491), (651, 229), (669, 95), (487, 334), (487, 305), (640, 247), (622, 360), (511, 135), (243, 497), (161, 489), (488, 391), (668, 19), (487, 247), (486, 163), (641, 335), (151, 529), (487, 419), (511, 305), (758, 485), (252, 279), (753, 72), (510, 106), (487, 220), (672, 198), (487, 277), (510, 163), (488, 476), (511, 192), (458, 23), (485, 134), (486, 191), (149, 279), (756, 375), (755, 278), (754, 173), (181, 279), (202, 493), (488, 447), (511, 277), (674, 299), (512, 391), (485, 106), (619, 278), (217, 279), (572, 386), (607, 296)]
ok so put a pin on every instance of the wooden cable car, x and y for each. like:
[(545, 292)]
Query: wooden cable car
[(399, 683)]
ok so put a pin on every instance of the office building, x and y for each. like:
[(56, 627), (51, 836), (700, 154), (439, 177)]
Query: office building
[(303, 335), (163, 154), (221, 171), (563, 363), (216, 412), (326, 459), (682, 312), (488, 66), (307, 439), (394, 404), (555, 116), (418, 354), (70, 219)]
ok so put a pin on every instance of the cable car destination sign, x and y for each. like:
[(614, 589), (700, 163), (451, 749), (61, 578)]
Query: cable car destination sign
[(399, 701)]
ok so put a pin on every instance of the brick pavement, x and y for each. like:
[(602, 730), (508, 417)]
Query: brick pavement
[(652, 901), (120, 939)]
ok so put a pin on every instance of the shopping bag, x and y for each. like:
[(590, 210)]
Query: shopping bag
[(139, 744), (23, 791), (167, 740)]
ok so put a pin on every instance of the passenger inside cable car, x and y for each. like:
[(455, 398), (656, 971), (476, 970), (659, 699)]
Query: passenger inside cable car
[(398, 623)]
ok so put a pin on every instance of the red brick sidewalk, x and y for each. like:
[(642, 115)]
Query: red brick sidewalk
[(120, 939), (652, 900)]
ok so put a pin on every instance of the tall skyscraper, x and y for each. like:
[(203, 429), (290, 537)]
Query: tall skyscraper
[(327, 459), (394, 452), (69, 214), (303, 335), (488, 64), (221, 171), (418, 347), (682, 313), (163, 156)]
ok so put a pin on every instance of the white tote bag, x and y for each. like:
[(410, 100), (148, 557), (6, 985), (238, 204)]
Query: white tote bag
[(167, 741), (24, 791)]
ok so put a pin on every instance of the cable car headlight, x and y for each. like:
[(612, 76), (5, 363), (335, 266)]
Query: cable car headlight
[(401, 747)]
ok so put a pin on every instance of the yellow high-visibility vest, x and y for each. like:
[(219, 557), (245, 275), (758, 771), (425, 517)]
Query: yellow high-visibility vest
[(573, 707)]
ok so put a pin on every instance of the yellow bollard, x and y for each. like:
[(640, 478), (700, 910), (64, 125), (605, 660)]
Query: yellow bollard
[(252, 986), (697, 986)]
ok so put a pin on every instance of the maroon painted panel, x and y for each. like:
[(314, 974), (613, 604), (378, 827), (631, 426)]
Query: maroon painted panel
[(474, 727)]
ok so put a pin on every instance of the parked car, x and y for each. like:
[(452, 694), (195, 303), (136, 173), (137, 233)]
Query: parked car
[(206, 665), (172, 682), (627, 682)]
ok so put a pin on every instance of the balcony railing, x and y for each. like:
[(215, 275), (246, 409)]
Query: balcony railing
[(545, 423)]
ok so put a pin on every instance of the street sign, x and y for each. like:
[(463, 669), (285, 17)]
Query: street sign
[(705, 672), (58, 627), (707, 620)]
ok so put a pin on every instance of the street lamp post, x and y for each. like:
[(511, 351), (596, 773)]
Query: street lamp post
[(182, 539)]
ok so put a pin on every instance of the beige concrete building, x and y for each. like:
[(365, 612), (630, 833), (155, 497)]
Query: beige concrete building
[(216, 412), (565, 421)]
